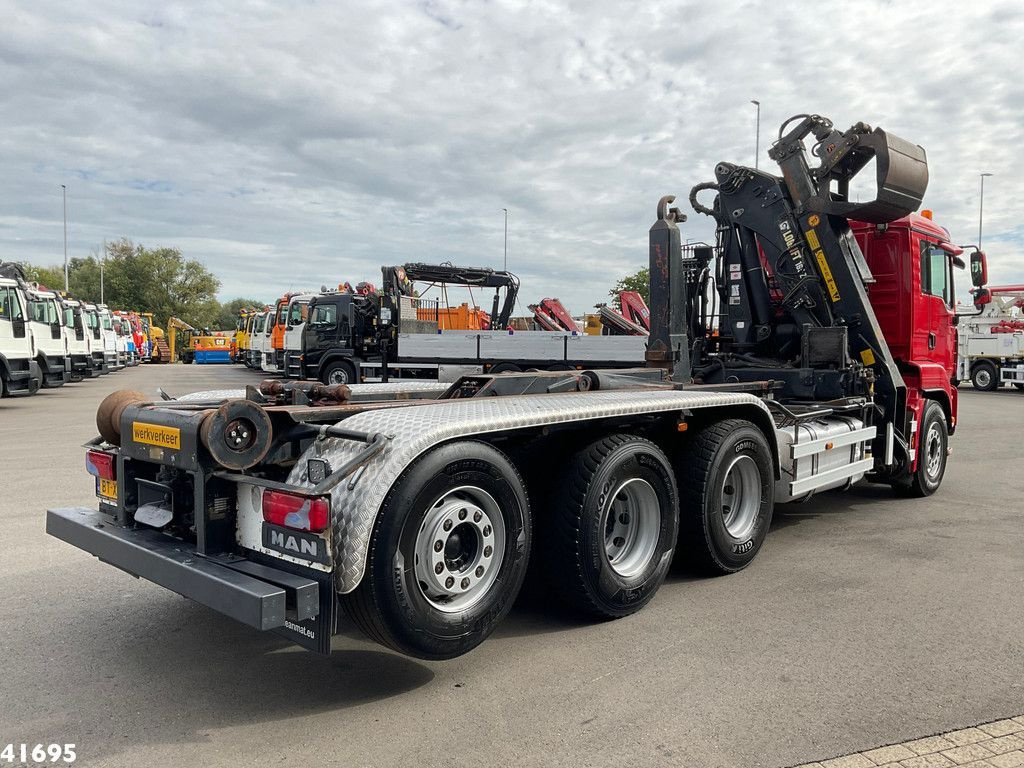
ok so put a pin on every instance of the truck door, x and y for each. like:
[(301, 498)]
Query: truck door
[(938, 342)]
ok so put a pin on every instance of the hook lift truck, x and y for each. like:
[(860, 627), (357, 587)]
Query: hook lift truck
[(414, 508)]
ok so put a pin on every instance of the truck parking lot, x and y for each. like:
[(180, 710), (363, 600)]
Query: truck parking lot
[(865, 621)]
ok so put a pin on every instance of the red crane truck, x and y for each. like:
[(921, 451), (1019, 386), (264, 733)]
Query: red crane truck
[(796, 355)]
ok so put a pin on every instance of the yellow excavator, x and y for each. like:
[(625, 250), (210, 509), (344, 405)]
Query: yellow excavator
[(159, 351), (174, 325)]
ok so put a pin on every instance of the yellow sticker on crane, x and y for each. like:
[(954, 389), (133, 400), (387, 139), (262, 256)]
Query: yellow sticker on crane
[(833, 289), (154, 434), (812, 238), (867, 357)]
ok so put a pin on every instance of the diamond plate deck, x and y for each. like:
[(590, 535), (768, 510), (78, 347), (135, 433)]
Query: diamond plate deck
[(417, 429)]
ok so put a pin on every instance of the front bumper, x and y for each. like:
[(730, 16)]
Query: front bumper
[(255, 594)]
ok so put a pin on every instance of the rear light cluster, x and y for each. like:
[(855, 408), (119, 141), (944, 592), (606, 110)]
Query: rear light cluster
[(300, 513), (101, 464)]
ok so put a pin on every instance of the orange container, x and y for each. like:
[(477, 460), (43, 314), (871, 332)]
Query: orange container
[(460, 318)]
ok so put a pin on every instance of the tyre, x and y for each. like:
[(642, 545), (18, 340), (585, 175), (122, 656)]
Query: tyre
[(612, 527), (933, 439), (726, 477), (447, 555), (338, 372), (505, 368), (984, 376)]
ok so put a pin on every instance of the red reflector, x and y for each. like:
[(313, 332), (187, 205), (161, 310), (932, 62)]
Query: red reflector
[(301, 513), (101, 464)]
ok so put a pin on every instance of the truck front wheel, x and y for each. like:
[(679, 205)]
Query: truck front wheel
[(933, 439), (338, 372), (613, 527), (447, 555), (985, 377), (727, 496)]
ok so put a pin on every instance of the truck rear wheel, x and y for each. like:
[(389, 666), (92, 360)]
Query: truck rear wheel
[(933, 440), (447, 555), (338, 372), (727, 496), (613, 527), (985, 377)]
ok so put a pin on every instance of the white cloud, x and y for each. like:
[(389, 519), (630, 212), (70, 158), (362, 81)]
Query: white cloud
[(289, 144)]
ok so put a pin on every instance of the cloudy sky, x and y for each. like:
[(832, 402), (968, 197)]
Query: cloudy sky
[(290, 144)]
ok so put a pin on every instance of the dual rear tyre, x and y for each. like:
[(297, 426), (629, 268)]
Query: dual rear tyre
[(450, 546)]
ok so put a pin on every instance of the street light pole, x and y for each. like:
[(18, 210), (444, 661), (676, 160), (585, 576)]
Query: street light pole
[(505, 267), (981, 206), (757, 132), (65, 192), (103, 261)]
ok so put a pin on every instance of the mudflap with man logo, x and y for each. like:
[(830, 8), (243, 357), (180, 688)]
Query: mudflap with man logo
[(313, 634)]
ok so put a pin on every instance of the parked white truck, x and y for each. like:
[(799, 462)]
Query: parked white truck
[(19, 372), (46, 325), (991, 344)]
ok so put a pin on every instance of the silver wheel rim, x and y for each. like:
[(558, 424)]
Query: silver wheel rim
[(983, 377), (933, 451), (338, 376), (741, 497), (459, 549), (632, 527)]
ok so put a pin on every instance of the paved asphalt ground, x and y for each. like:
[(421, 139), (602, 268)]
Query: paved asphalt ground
[(865, 621)]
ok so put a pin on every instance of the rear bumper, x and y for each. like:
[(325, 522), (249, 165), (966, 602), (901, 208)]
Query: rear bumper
[(260, 596)]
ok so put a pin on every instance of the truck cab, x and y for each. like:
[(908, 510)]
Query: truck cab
[(45, 324), (268, 361), (912, 293), (19, 372), (77, 339), (90, 319), (113, 350), (258, 340), (298, 310), (337, 334)]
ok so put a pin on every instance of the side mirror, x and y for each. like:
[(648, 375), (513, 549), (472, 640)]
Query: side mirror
[(979, 269), (982, 296)]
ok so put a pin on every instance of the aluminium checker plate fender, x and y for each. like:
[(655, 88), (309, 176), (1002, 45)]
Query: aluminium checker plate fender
[(356, 501)]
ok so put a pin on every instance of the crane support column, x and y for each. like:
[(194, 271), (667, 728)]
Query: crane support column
[(668, 346)]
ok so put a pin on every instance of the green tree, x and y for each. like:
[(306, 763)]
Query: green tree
[(157, 280), (229, 311), (639, 281), (48, 277)]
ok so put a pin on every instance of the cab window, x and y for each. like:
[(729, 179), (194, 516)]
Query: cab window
[(935, 272), (295, 314), (10, 305), (37, 309), (325, 314)]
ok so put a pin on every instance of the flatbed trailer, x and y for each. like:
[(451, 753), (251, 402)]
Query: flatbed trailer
[(413, 509)]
